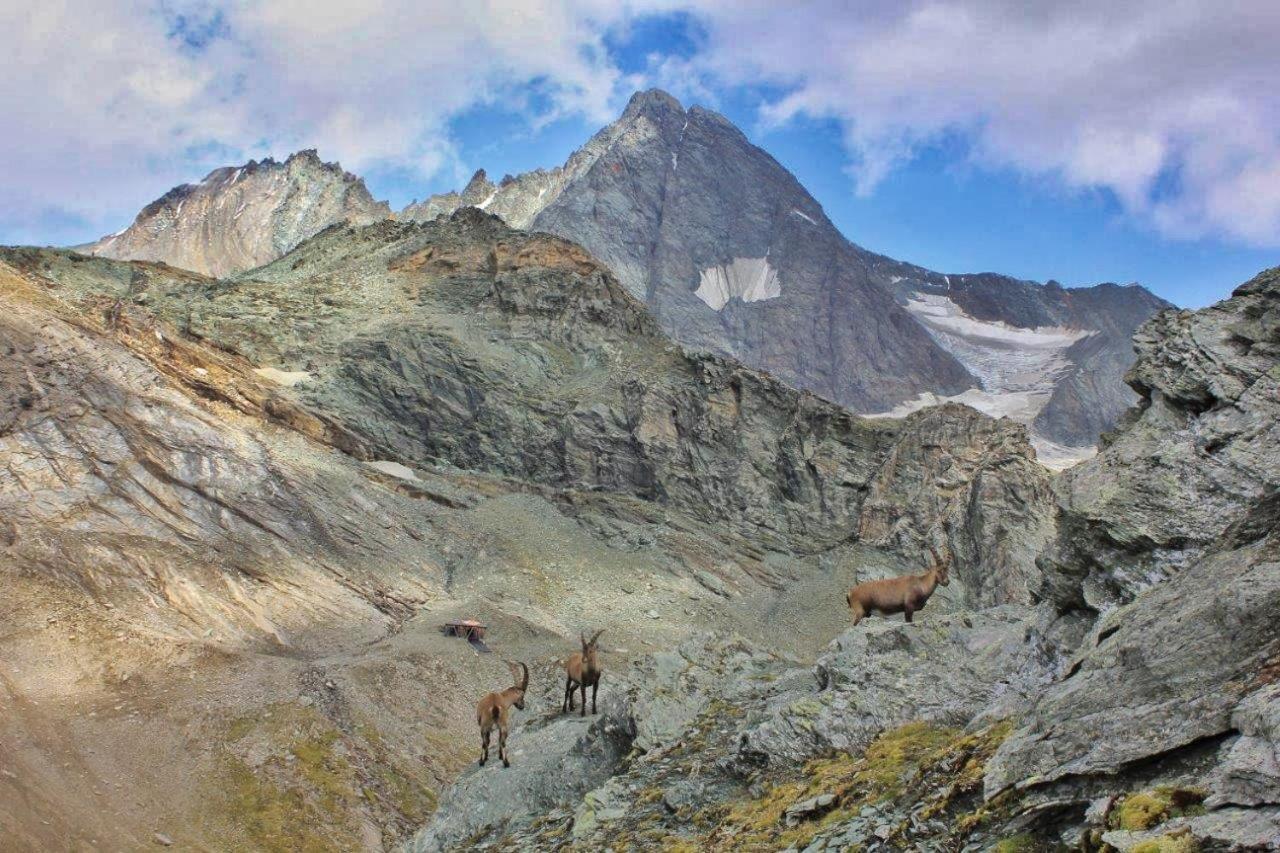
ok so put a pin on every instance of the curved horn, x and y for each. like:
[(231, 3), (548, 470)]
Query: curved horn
[(595, 637), (582, 637), (524, 682)]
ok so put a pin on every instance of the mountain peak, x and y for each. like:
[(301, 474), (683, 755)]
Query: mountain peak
[(240, 217), (651, 101)]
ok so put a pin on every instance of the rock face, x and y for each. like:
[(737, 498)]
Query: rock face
[(949, 473), (467, 342), (240, 217), (732, 255), (1195, 458)]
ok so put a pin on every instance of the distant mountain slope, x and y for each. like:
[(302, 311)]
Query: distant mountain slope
[(733, 255), (1050, 356), (240, 217)]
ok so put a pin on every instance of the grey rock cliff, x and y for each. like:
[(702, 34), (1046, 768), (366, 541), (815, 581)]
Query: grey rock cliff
[(1168, 698), (466, 342), (1194, 458)]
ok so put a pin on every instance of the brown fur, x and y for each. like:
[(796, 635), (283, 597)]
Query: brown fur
[(905, 594), (494, 711), (583, 670)]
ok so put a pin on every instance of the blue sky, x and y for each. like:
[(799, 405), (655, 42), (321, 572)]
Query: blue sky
[(961, 135)]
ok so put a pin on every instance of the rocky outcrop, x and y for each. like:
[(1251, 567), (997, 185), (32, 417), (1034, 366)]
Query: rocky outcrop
[(241, 217), (717, 721), (971, 488), (1150, 727), (1195, 458), (103, 455)]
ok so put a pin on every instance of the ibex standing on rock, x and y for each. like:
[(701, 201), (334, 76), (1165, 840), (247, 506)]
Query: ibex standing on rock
[(905, 594), (583, 670), (495, 710)]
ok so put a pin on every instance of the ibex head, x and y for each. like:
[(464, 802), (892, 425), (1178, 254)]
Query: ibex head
[(589, 646), (941, 566), (521, 676)]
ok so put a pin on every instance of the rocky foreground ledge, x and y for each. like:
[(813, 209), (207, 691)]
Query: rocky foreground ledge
[(1135, 708)]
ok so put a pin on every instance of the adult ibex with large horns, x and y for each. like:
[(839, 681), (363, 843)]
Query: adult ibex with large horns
[(495, 710), (583, 670), (905, 594)]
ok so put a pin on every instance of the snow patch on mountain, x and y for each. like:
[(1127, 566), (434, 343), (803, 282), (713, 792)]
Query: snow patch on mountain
[(1004, 358), (748, 279), (1018, 368)]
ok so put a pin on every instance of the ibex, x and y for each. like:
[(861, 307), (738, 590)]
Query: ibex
[(495, 710), (583, 669), (905, 594)]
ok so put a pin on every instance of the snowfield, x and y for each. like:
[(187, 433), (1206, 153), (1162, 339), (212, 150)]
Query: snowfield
[(748, 279), (1017, 368)]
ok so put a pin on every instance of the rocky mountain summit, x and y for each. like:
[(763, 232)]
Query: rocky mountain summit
[(240, 217), (733, 255)]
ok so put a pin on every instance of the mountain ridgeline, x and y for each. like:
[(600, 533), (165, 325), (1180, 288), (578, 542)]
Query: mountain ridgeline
[(731, 255)]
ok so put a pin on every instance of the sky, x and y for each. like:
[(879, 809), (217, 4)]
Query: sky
[(1083, 142)]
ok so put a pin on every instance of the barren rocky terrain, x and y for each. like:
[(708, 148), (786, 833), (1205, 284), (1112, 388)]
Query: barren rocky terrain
[(235, 513)]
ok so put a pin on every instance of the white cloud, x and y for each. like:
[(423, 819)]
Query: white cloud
[(107, 103), (1172, 105)]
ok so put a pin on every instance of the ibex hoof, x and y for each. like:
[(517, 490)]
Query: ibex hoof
[(506, 763)]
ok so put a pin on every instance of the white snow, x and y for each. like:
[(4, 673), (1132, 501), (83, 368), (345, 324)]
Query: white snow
[(1060, 457), (484, 205), (803, 216), (1018, 368), (395, 469), (748, 279)]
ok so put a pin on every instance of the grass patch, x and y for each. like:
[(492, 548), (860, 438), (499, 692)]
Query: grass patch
[(1022, 843), (892, 767), (305, 804), (1169, 843), (1146, 809)]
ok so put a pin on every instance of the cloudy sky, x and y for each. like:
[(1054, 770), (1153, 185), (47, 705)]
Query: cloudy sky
[(1083, 142)]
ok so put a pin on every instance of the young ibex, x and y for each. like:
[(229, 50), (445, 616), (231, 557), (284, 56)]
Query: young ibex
[(583, 670), (494, 710), (905, 594)]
